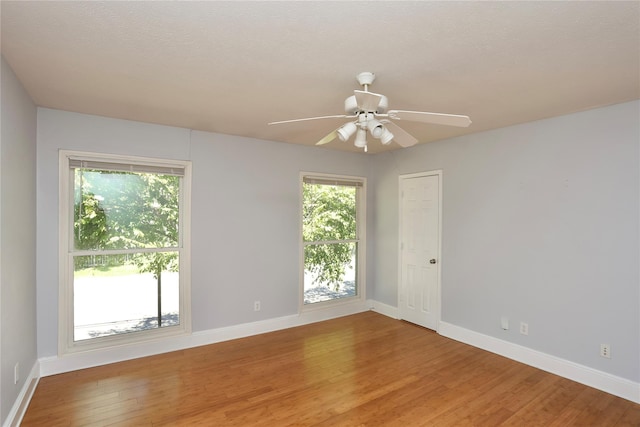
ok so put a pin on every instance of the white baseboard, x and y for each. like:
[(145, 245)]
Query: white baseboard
[(612, 384), (387, 310), (72, 362), (14, 418)]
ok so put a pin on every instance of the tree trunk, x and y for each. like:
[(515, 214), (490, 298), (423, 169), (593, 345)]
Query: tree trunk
[(159, 276)]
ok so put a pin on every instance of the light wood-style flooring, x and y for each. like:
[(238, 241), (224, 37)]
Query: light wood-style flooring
[(360, 370)]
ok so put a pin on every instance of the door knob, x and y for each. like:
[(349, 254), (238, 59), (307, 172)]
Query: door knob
[(432, 261)]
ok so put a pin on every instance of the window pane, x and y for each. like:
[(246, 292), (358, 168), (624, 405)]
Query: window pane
[(117, 294), (329, 212), (118, 210), (329, 271)]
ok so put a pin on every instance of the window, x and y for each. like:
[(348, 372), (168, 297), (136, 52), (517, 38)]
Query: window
[(332, 238), (124, 249)]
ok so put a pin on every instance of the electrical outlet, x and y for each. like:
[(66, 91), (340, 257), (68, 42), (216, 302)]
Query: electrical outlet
[(605, 350), (504, 322), (524, 328), (256, 306), (16, 373)]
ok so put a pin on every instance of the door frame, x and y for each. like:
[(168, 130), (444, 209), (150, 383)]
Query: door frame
[(401, 178)]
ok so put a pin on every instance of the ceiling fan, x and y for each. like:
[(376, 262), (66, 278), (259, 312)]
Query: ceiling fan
[(368, 111)]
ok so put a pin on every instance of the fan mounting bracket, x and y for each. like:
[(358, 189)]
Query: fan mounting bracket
[(365, 78)]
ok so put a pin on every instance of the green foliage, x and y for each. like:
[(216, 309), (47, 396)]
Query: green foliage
[(329, 214), (156, 262), (133, 210), (90, 225)]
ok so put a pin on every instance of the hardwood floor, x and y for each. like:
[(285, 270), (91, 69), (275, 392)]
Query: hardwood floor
[(360, 370)]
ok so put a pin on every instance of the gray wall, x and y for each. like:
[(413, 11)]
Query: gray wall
[(541, 224), (17, 237), (245, 213), (246, 224)]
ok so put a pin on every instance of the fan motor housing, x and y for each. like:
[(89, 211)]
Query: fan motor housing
[(351, 106)]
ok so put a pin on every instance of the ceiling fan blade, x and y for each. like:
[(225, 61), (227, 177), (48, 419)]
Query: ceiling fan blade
[(435, 118), (367, 101), (330, 137), (340, 116), (400, 136)]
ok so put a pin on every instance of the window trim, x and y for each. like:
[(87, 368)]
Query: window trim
[(66, 343), (360, 182)]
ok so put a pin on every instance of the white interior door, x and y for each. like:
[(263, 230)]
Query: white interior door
[(419, 296)]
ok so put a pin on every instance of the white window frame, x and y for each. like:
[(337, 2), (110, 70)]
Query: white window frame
[(66, 343), (361, 228)]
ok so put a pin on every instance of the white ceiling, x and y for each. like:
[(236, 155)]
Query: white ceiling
[(232, 67)]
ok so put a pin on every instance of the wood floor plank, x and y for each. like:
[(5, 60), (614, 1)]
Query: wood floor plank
[(361, 370)]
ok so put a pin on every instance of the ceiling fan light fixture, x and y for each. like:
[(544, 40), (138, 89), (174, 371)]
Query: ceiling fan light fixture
[(376, 128), (386, 137), (361, 139), (346, 131)]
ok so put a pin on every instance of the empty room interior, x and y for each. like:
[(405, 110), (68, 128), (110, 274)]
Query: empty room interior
[(320, 213)]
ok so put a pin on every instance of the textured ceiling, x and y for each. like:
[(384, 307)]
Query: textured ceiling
[(232, 67)]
